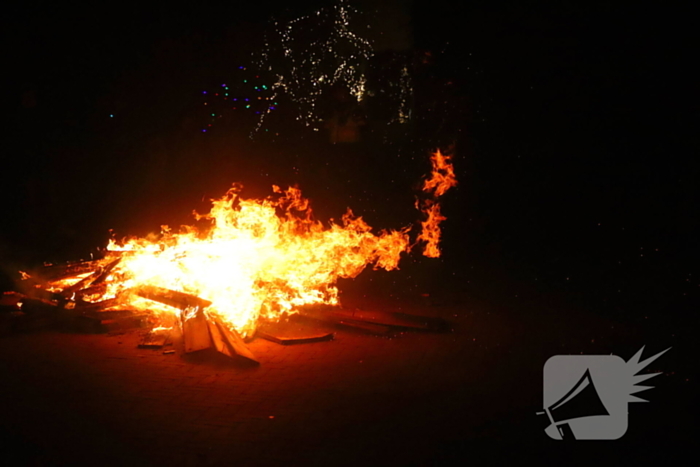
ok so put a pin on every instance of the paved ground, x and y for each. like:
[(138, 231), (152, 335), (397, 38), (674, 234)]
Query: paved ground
[(466, 397)]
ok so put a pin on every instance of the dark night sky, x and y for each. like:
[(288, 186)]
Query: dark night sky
[(573, 130)]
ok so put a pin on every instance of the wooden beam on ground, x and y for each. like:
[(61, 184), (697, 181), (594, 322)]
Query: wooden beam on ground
[(384, 318), (218, 340), (105, 272), (234, 341), (368, 328), (295, 340)]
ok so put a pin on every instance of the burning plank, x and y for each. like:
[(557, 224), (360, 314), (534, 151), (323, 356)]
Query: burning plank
[(98, 289), (199, 331), (235, 342), (218, 340), (172, 298), (195, 330), (36, 284), (228, 342), (95, 278)]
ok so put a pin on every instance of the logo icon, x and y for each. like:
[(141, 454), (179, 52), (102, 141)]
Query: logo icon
[(586, 396)]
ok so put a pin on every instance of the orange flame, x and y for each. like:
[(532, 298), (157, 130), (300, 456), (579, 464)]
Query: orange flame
[(442, 179), (431, 231)]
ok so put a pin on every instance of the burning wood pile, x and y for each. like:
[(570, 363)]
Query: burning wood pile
[(260, 261)]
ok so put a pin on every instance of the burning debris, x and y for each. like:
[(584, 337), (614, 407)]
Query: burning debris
[(259, 262)]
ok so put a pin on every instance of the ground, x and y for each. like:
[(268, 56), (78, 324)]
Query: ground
[(467, 396)]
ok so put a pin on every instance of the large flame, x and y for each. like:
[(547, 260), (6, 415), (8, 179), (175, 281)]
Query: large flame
[(258, 259)]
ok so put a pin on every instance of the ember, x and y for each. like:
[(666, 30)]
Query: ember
[(260, 260)]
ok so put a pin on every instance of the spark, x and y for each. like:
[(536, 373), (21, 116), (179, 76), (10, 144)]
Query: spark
[(306, 70)]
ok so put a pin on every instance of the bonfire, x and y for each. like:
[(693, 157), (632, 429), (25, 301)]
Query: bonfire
[(259, 261)]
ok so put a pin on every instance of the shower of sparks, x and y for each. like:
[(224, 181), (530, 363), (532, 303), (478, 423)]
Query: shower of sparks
[(312, 53), (301, 61), (405, 94)]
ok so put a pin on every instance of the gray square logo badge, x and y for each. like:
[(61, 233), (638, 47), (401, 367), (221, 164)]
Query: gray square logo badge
[(586, 396)]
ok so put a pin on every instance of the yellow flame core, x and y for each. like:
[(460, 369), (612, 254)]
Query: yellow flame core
[(260, 258)]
